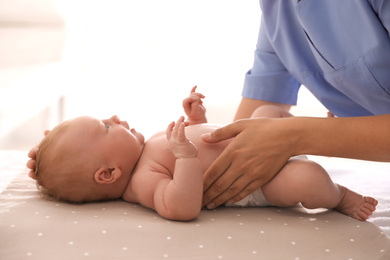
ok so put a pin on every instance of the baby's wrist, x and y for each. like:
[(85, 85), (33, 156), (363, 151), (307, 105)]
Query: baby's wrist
[(198, 121), (187, 157)]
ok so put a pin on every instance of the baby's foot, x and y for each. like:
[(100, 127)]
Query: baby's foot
[(355, 205)]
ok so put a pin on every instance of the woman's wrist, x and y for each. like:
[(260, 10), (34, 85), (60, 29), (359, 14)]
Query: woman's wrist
[(296, 135), (312, 136)]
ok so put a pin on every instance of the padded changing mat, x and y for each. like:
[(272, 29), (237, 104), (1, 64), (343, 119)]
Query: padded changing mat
[(33, 228)]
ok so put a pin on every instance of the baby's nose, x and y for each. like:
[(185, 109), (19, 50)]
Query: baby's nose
[(116, 119)]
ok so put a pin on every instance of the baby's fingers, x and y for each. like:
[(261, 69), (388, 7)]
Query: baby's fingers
[(173, 128), (178, 126), (168, 132), (197, 94), (33, 152), (181, 136), (31, 164), (181, 146), (193, 89)]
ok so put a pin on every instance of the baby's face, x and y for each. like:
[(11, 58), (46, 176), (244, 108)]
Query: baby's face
[(107, 140)]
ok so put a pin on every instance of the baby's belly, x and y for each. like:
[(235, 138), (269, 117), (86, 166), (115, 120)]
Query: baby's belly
[(207, 152)]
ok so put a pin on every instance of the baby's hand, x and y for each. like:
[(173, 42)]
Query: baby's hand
[(193, 107), (31, 162), (180, 145)]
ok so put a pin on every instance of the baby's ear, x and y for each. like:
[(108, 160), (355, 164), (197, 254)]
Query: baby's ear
[(46, 132), (106, 175)]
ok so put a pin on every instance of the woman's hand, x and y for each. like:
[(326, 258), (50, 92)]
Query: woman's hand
[(193, 107), (262, 146), (180, 145), (257, 153)]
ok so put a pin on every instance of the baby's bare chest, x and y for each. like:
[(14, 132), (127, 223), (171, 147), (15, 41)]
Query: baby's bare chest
[(158, 149)]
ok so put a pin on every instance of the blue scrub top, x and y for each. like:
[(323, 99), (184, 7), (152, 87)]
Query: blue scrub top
[(338, 49)]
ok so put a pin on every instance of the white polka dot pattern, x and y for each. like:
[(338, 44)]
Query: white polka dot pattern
[(32, 228)]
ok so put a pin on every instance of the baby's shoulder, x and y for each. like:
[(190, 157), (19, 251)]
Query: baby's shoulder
[(151, 169)]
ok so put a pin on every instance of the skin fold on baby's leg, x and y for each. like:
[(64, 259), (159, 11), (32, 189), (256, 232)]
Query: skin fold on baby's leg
[(306, 182)]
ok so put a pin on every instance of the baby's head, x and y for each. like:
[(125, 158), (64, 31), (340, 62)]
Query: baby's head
[(86, 159)]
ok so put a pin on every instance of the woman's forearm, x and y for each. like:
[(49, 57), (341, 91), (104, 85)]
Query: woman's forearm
[(365, 138)]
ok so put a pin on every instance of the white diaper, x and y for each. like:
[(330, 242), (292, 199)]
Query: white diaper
[(255, 199)]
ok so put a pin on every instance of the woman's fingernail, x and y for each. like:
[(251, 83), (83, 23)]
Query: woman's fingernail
[(230, 202), (210, 205), (206, 136)]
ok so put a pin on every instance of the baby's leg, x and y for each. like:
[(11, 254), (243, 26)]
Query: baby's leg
[(306, 182), (271, 111)]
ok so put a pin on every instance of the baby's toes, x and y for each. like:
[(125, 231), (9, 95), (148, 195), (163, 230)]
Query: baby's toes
[(371, 203), (362, 216), (370, 200), (366, 211)]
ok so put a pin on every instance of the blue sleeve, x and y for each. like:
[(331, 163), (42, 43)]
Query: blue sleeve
[(268, 79)]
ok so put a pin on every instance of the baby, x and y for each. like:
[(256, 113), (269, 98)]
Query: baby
[(86, 159)]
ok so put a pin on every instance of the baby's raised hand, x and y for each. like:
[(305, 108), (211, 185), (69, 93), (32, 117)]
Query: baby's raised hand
[(180, 145), (193, 107)]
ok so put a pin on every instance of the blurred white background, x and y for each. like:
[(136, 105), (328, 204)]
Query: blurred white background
[(137, 59)]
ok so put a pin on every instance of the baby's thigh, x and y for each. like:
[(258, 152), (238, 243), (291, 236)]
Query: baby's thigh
[(271, 111), (295, 180)]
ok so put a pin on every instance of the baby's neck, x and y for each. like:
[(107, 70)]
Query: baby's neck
[(128, 194)]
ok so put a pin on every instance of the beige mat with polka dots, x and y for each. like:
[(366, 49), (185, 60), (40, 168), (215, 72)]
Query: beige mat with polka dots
[(33, 228)]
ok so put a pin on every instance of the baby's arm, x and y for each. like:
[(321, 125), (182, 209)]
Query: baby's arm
[(181, 198), (194, 109)]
